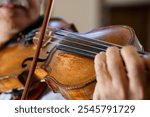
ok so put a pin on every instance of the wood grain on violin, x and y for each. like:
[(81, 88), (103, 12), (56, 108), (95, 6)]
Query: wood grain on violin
[(13, 57)]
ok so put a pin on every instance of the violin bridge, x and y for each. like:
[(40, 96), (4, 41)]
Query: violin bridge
[(47, 38)]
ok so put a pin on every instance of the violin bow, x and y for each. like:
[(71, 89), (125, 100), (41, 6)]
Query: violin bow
[(36, 56)]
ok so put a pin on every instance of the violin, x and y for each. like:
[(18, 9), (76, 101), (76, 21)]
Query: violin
[(69, 66), (13, 57), (66, 59)]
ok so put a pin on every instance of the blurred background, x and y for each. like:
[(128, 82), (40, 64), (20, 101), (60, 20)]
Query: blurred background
[(89, 14)]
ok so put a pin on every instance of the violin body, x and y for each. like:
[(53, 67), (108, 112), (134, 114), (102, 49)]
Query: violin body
[(68, 73), (72, 74), (17, 53)]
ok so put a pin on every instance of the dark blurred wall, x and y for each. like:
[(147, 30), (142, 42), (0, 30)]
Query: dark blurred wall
[(135, 15)]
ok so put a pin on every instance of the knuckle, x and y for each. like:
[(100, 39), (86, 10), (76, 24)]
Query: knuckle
[(99, 57), (110, 49), (102, 65)]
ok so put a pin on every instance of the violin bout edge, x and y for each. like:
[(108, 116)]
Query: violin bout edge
[(78, 92)]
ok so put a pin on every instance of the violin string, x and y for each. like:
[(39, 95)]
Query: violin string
[(71, 42), (97, 46), (77, 50), (91, 43), (85, 39), (92, 48), (72, 46), (80, 44), (78, 47), (74, 49), (82, 38), (84, 43)]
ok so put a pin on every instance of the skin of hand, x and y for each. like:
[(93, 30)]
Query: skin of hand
[(121, 74)]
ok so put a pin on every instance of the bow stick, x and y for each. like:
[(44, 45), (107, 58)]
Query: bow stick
[(34, 63)]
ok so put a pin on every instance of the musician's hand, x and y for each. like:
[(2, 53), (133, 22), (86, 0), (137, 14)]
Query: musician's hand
[(121, 74)]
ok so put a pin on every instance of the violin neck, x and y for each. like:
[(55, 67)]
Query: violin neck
[(75, 43)]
